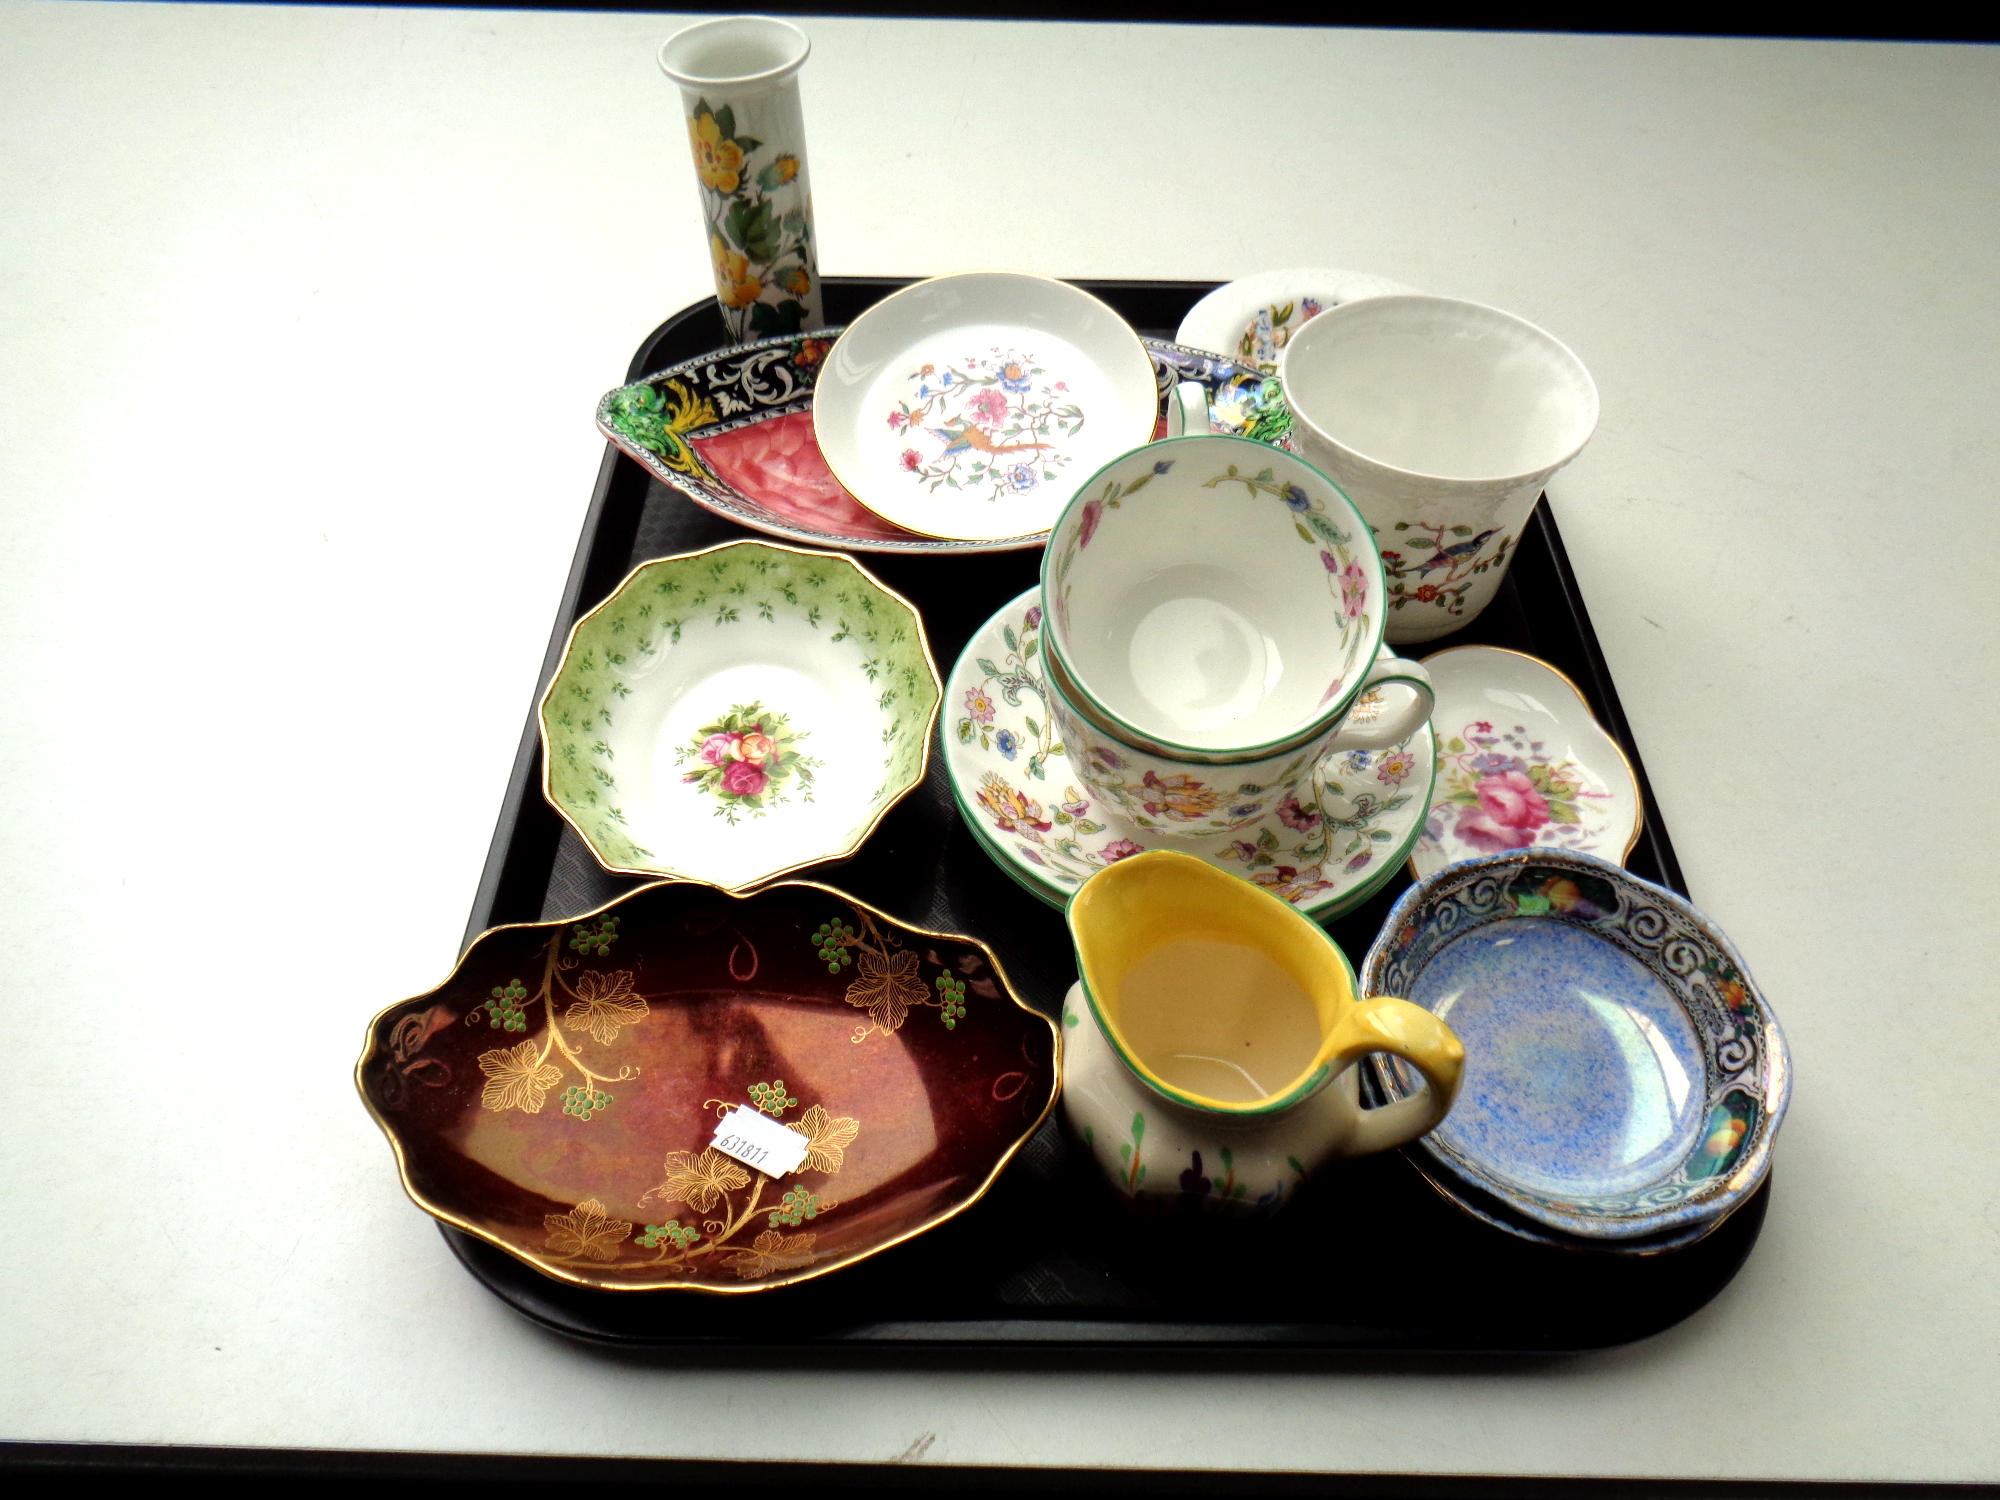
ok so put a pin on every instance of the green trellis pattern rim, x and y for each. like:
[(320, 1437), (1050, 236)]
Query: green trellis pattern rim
[(732, 583)]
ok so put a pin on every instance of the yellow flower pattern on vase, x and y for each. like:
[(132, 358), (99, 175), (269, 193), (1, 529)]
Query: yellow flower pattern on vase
[(717, 160), (760, 239)]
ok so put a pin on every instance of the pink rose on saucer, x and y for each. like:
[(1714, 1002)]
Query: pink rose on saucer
[(1509, 812), (743, 779)]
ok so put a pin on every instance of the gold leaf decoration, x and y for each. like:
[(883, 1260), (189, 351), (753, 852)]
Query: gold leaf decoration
[(827, 1137), (887, 986), (772, 1251), (697, 1181), (605, 1004), (516, 1078), (586, 1230)]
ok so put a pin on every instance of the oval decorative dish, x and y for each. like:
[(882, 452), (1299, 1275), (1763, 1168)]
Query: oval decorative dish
[(1027, 809), (732, 430), (1521, 763), (738, 713), (557, 1095), (1624, 1078)]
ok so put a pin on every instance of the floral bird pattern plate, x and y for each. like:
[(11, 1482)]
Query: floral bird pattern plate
[(1521, 763), (559, 1095), (732, 430), (1017, 793), (967, 407)]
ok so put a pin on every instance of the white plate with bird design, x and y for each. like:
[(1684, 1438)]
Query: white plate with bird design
[(969, 407)]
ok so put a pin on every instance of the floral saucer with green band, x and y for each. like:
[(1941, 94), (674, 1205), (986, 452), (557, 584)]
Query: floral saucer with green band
[(1031, 814), (734, 714)]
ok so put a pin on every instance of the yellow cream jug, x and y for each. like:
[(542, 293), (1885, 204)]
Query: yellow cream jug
[(1209, 1045)]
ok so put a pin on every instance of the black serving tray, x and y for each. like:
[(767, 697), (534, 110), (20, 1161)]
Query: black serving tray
[(1369, 1257)]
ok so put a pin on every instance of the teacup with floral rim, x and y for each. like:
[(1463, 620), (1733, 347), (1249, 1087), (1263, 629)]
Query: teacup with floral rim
[(1215, 603)]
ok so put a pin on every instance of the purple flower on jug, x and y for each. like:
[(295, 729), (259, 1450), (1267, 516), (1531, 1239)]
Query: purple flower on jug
[(1192, 1182)]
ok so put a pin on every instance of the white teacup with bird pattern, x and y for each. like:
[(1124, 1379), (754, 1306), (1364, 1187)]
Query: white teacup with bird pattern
[(1441, 420)]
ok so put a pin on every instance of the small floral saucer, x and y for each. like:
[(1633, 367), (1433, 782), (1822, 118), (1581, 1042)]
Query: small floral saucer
[(732, 430), (1521, 763), (1025, 804), (969, 407), (1250, 320), (738, 713)]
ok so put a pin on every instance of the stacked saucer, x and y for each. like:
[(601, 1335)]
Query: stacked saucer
[(1624, 1077)]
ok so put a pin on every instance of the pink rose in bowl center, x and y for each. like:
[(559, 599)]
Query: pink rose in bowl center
[(718, 748), (743, 779), (1510, 810)]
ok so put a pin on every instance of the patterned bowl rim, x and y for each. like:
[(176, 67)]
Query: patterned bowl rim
[(1583, 706), (539, 1263), (1177, 359), (1224, 310), (741, 887), (1723, 1195)]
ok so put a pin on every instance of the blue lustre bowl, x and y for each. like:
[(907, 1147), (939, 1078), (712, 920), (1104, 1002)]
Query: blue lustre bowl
[(1624, 1077)]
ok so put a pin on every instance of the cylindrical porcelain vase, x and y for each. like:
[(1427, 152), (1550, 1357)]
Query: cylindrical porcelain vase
[(739, 83)]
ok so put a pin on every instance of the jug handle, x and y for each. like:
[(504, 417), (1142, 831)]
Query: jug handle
[(1383, 1024)]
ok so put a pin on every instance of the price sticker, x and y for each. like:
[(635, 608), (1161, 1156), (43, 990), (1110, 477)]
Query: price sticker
[(757, 1140)]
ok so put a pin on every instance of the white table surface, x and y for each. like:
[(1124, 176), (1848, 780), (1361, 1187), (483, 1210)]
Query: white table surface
[(302, 317)]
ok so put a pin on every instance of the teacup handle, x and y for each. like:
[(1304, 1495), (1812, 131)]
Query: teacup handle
[(1419, 1039), (1373, 726), (1187, 409)]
